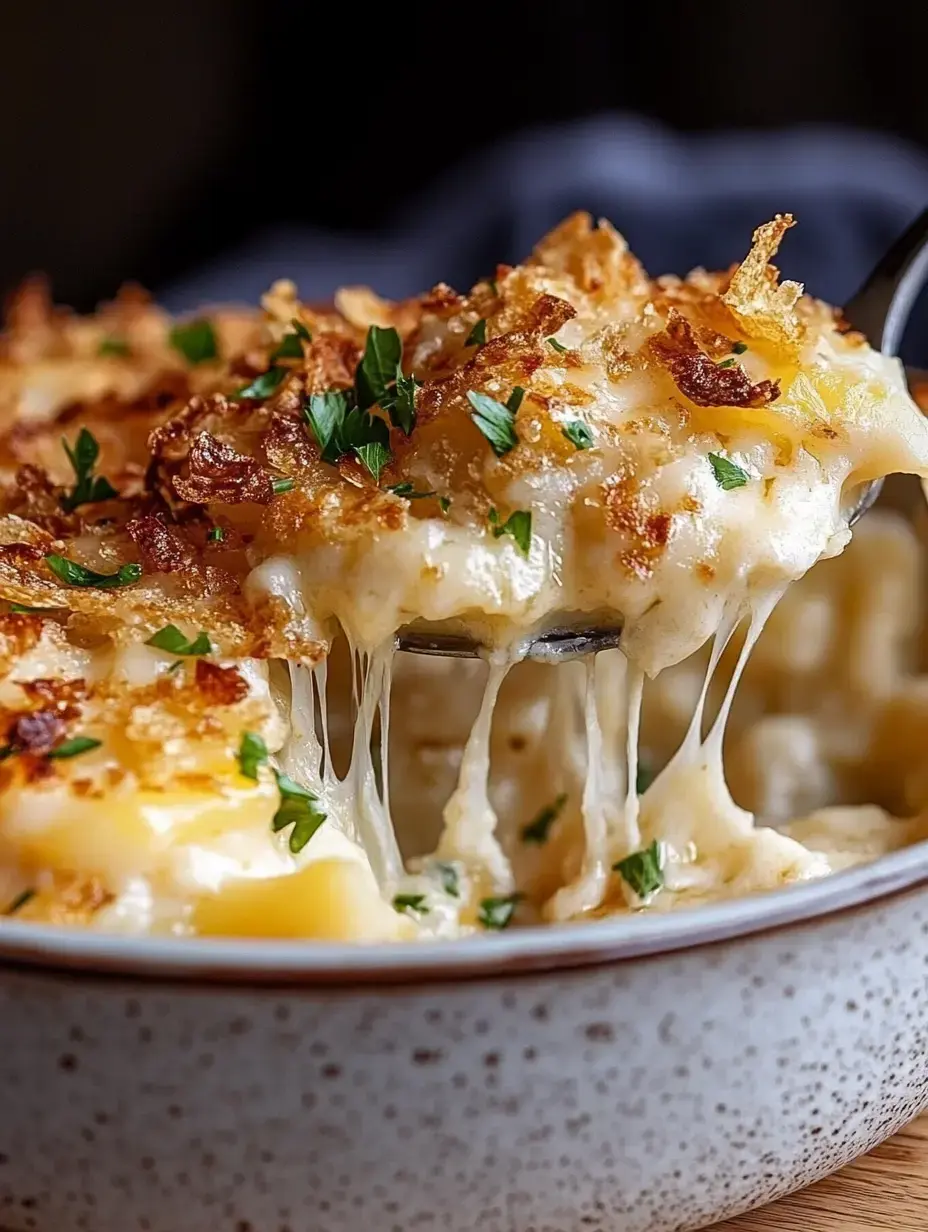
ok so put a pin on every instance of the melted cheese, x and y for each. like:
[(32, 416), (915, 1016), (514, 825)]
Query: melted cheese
[(442, 790)]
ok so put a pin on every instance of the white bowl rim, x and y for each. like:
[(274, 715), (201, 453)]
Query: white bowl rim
[(542, 948)]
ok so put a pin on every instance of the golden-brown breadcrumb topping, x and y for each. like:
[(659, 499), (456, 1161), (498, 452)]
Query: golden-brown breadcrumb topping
[(211, 479)]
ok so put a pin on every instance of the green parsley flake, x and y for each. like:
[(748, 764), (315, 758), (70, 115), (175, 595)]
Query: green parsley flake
[(450, 879), (279, 486), (74, 747), (325, 414), (73, 574), (401, 402), (383, 355), (20, 901), (340, 429), (22, 610), (727, 363), (196, 341), (216, 535), (495, 421), (264, 385), (578, 434), (727, 474), (252, 753), (289, 347), (83, 458), (491, 283), (444, 504), (643, 870), (414, 904), (514, 401), (174, 642), (374, 457), (497, 913), (558, 346), (408, 491), (518, 525), (537, 831), (115, 347), (739, 348), (380, 379), (478, 335), (298, 807)]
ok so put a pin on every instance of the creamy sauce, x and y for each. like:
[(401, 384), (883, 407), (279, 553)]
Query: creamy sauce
[(449, 789)]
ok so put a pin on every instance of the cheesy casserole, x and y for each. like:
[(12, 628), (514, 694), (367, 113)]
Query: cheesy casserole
[(211, 530)]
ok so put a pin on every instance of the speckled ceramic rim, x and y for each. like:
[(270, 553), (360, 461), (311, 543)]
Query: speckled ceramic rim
[(523, 950)]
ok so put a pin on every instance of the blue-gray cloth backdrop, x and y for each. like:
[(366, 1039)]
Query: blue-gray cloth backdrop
[(681, 200)]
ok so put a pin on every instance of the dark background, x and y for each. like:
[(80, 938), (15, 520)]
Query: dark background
[(140, 138)]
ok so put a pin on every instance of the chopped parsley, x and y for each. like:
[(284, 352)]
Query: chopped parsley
[(113, 346), (444, 504), (252, 753), (216, 535), (644, 778), (410, 903), (537, 831), (727, 363), (73, 574), (291, 345), (383, 354), (264, 385), (298, 807), (492, 284), (578, 434), (739, 348), (643, 870), (379, 379), (196, 341), (478, 335), (325, 414), (341, 419), (374, 456), (74, 747), (401, 405), (558, 346), (341, 429), (497, 913), (22, 610), (518, 525), (495, 421), (83, 458), (727, 474), (173, 641), (407, 490), (514, 401), (20, 901), (450, 880), (279, 486)]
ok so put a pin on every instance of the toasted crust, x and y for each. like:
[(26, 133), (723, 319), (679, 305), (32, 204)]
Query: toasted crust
[(187, 453)]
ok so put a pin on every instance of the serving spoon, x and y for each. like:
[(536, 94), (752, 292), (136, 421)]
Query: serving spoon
[(880, 310)]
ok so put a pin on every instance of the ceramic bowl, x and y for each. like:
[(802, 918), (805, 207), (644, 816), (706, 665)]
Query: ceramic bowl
[(638, 1074)]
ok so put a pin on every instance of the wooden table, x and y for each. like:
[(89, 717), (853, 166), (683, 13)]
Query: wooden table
[(886, 1190)]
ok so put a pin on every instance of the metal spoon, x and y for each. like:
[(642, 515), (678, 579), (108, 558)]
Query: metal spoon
[(880, 310)]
